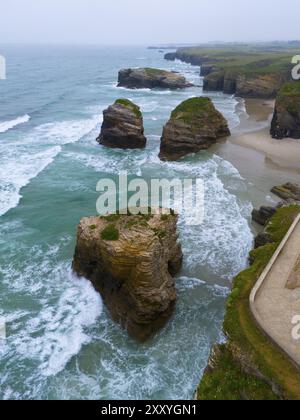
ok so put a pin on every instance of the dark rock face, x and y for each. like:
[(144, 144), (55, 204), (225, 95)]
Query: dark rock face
[(263, 215), (122, 126), (148, 78), (206, 69), (170, 56), (288, 192), (214, 81), (194, 125), (264, 86), (132, 269), (286, 119)]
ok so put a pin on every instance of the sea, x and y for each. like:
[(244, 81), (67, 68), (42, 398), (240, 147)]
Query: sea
[(61, 342)]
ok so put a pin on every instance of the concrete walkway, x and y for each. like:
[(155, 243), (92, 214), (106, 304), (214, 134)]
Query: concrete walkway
[(275, 299)]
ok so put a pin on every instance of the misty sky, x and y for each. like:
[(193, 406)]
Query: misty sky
[(147, 22)]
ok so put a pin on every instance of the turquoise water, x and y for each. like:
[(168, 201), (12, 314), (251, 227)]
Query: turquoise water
[(61, 342)]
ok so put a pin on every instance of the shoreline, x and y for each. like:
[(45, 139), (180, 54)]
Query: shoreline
[(253, 133)]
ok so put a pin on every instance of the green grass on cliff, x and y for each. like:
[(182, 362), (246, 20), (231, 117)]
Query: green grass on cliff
[(110, 233), (248, 60), (128, 104), (245, 340), (154, 72), (289, 97), (290, 89), (239, 384), (193, 108)]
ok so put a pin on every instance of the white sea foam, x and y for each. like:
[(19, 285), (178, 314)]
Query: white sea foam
[(24, 158), (63, 306), (8, 125)]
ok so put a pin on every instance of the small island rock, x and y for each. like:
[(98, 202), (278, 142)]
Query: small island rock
[(131, 260), (194, 125), (151, 78), (122, 126)]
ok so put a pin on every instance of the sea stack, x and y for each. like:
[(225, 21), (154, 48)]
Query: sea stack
[(194, 125), (131, 261), (148, 78), (286, 119), (122, 126)]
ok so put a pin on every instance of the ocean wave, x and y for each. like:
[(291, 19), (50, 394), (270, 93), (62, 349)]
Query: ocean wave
[(55, 325), (24, 159), (8, 125)]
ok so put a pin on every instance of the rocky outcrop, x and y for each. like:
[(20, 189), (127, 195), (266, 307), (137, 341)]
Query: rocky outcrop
[(130, 261), (151, 79), (263, 215), (286, 119), (259, 86), (194, 125), (214, 81), (122, 126), (289, 192), (206, 69)]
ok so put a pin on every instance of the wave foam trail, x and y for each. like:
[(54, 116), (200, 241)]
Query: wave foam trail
[(24, 158), (8, 125), (57, 323)]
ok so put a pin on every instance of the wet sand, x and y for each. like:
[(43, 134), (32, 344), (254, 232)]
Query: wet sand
[(262, 161), (282, 153)]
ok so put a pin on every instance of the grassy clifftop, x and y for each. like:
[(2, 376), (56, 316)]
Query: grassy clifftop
[(256, 59), (249, 366), (128, 104)]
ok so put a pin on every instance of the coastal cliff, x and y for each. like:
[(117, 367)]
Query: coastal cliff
[(286, 119), (122, 126), (194, 125), (249, 366), (131, 260), (253, 73), (149, 78)]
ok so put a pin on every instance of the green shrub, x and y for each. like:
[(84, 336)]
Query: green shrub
[(110, 233)]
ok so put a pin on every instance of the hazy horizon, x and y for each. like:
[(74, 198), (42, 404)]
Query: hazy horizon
[(88, 22)]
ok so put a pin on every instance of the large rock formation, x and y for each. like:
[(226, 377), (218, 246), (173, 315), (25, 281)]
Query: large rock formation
[(122, 126), (194, 125), (151, 78), (131, 261), (258, 86), (245, 86), (263, 215), (286, 119)]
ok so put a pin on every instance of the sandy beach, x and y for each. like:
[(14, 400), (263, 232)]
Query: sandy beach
[(284, 154)]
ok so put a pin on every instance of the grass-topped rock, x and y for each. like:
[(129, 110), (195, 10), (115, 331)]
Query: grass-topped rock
[(151, 78), (286, 119), (131, 260), (122, 126), (194, 125)]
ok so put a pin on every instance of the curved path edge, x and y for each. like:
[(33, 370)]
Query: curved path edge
[(262, 293)]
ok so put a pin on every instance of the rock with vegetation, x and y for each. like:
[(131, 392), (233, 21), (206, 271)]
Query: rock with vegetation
[(194, 125), (286, 119), (263, 215), (151, 78), (122, 126), (131, 261), (248, 366)]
